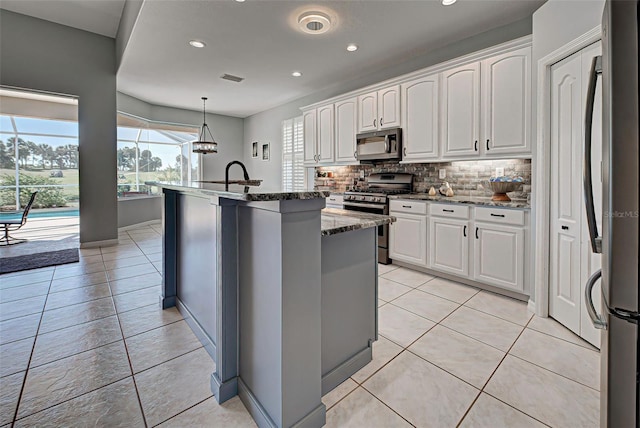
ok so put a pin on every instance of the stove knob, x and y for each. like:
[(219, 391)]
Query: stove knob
[(377, 200), (363, 198)]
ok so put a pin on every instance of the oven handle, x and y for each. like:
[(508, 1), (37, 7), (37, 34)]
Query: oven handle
[(375, 206)]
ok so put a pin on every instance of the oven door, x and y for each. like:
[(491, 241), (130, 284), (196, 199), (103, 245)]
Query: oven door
[(383, 231)]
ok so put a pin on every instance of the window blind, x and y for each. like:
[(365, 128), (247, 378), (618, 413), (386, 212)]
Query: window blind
[(293, 174)]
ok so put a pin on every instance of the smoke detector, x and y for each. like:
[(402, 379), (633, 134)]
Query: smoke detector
[(314, 22)]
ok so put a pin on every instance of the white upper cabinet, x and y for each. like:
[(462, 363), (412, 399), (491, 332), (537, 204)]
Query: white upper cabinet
[(389, 107), (346, 129), (379, 110), (506, 99), (325, 134), (420, 118), (368, 112), (310, 149), (460, 111)]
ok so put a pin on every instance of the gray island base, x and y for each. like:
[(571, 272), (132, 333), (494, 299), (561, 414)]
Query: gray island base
[(282, 293)]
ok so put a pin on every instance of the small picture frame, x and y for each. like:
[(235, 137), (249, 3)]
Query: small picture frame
[(265, 152), (254, 149)]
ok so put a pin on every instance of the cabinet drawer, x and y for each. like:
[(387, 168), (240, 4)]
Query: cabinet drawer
[(502, 216), (335, 200), (408, 206), (449, 210)]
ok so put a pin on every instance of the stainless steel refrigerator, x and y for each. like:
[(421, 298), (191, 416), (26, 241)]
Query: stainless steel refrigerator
[(620, 313)]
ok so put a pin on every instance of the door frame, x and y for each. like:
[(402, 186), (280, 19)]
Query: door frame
[(542, 167)]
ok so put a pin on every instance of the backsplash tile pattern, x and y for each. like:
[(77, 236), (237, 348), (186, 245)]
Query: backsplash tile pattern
[(465, 177)]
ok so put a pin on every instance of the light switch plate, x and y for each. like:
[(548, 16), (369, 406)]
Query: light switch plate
[(442, 173), (499, 172), (361, 174)]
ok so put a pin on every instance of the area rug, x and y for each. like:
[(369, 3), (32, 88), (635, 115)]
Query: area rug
[(10, 261)]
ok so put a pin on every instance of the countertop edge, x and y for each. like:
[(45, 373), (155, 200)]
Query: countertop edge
[(514, 204), (248, 197), (354, 221)]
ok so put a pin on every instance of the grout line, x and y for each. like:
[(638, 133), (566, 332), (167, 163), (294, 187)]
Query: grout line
[(385, 404), (33, 347), (586, 344), (126, 349), (189, 408)]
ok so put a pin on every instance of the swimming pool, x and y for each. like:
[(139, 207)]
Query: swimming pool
[(35, 213)]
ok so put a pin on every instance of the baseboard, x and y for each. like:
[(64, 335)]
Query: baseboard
[(202, 336), (531, 306), (144, 223), (96, 244), (316, 418), (345, 370)]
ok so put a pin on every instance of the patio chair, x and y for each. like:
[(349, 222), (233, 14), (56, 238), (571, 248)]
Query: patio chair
[(11, 225)]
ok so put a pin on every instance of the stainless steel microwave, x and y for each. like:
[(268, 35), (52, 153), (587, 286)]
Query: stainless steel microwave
[(383, 145)]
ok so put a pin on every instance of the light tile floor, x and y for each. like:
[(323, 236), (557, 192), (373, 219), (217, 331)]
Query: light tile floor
[(85, 344)]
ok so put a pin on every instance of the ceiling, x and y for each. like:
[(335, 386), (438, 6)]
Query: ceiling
[(259, 40), (96, 16)]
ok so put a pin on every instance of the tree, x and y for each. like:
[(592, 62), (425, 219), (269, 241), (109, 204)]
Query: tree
[(23, 151), (6, 156)]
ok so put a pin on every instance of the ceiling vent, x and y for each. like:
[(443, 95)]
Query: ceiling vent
[(232, 78)]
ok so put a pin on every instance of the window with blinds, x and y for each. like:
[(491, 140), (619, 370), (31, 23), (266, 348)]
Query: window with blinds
[(293, 174)]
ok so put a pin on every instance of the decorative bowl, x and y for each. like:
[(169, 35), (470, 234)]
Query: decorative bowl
[(501, 188)]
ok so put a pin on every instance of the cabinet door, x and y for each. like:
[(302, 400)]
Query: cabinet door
[(368, 112), (408, 238), (506, 98), (389, 107), (498, 254), (325, 134), (420, 114), (346, 130), (449, 245), (309, 123), (460, 112)]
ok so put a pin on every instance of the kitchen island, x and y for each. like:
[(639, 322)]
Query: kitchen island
[(282, 295)]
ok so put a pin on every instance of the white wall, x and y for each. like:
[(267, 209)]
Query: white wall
[(44, 56), (266, 126)]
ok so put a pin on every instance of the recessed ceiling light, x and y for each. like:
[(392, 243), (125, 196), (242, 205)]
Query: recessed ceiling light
[(296, 74), (314, 22), (448, 2), (352, 47), (197, 43), (240, 1)]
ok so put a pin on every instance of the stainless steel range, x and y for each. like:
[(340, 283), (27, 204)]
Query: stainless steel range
[(373, 199)]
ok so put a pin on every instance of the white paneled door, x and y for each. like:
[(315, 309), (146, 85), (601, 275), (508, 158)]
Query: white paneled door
[(570, 261)]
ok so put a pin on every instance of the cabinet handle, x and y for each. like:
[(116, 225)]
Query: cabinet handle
[(404, 150), (406, 206), (497, 215), (448, 211), (380, 121), (475, 146), (464, 231), (487, 144), (565, 227), (374, 123), (477, 233), (355, 154)]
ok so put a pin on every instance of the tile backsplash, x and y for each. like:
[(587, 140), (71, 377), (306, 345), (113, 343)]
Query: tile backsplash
[(465, 177)]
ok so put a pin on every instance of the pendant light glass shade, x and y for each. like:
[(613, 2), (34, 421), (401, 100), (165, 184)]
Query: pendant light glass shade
[(204, 145)]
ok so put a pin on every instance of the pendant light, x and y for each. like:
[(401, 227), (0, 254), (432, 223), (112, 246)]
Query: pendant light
[(202, 145)]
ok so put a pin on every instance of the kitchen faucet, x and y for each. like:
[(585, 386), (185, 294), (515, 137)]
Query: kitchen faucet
[(226, 173)]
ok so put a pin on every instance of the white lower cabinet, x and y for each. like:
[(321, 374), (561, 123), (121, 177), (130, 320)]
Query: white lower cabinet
[(498, 254), (408, 236), (449, 245)]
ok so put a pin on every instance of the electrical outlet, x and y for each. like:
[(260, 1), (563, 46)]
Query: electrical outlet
[(442, 173), (361, 174), (499, 172)]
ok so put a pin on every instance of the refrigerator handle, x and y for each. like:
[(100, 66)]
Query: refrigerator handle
[(596, 240), (597, 320)]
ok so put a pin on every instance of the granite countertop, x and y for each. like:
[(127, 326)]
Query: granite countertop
[(465, 199), (238, 192), (336, 221)]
